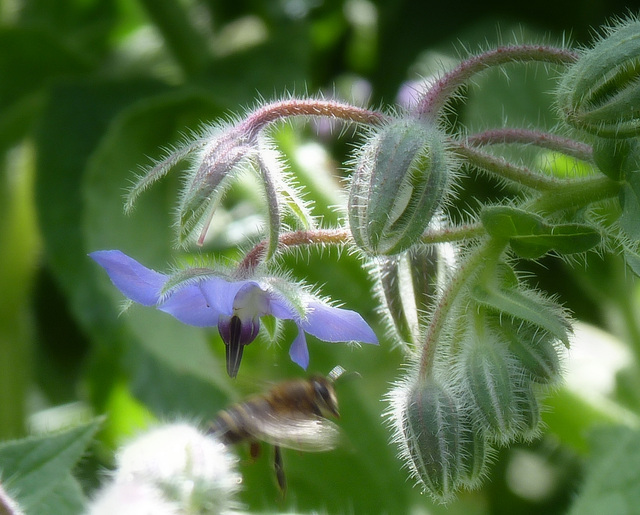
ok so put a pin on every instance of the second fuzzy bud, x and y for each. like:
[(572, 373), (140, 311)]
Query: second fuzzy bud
[(398, 183)]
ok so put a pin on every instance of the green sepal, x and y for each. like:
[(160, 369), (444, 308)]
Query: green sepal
[(614, 157), (532, 346), (630, 203), (524, 307), (531, 237), (271, 325), (600, 93), (632, 258)]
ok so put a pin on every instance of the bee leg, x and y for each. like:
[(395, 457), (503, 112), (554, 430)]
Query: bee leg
[(279, 467), (254, 450)]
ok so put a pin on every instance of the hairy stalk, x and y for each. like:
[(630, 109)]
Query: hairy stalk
[(541, 139), (275, 111), (291, 239), (503, 169), (431, 104), (574, 194), (450, 234), (488, 252)]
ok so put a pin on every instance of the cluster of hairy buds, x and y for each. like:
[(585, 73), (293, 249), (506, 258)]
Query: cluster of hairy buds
[(502, 347)]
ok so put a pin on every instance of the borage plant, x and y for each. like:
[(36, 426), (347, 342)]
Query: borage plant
[(482, 345)]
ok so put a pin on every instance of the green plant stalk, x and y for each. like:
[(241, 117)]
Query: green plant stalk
[(188, 46), (503, 169), (488, 251), (574, 194), (19, 244)]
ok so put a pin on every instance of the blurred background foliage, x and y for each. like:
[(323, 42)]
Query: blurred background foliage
[(90, 88)]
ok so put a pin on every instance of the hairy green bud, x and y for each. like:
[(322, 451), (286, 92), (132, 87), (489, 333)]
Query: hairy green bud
[(600, 93), (398, 183), (495, 385), (407, 285), (429, 430), (533, 347)]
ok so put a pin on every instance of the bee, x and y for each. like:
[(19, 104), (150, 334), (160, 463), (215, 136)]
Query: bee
[(293, 414)]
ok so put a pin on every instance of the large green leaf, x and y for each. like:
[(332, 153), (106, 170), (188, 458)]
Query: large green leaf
[(37, 470), (72, 124)]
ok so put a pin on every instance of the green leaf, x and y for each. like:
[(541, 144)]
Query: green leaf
[(632, 258), (613, 474), (530, 236), (35, 469), (523, 306), (630, 202), (84, 110), (507, 222)]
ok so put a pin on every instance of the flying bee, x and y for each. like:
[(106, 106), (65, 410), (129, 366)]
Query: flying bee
[(293, 414)]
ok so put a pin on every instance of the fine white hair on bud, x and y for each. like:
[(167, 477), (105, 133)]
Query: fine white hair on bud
[(169, 470), (407, 285), (399, 180), (437, 442), (493, 383), (600, 93)]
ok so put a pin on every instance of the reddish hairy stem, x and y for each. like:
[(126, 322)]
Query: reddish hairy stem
[(275, 111), (431, 104), (292, 239), (546, 140)]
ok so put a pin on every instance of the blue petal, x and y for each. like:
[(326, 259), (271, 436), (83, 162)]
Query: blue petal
[(337, 325), (189, 305), (136, 281), (280, 308), (220, 293), (298, 351)]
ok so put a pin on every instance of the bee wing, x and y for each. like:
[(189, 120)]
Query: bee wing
[(313, 434)]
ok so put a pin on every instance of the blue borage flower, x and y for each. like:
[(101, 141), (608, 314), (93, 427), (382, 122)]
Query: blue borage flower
[(204, 297)]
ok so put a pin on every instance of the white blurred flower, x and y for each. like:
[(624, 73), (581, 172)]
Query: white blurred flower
[(173, 469)]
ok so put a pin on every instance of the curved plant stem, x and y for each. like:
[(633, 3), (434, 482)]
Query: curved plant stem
[(274, 111), (503, 169), (574, 194), (487, 252), (541, 139), (455, 233), (431, 104)]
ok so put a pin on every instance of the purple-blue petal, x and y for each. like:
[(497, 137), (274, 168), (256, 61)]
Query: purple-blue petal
[(220, 293), (280, 308), (337, 325), (298, 351), (134, 280), (189, 305)]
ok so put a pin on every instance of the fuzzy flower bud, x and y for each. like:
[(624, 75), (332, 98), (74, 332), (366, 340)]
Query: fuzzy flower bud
[(496, 386), (600, 93), (407, 286), (533, 347), (398, 183), (435, 437)]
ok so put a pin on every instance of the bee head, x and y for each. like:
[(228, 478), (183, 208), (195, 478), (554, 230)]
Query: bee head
[(325, 396)]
